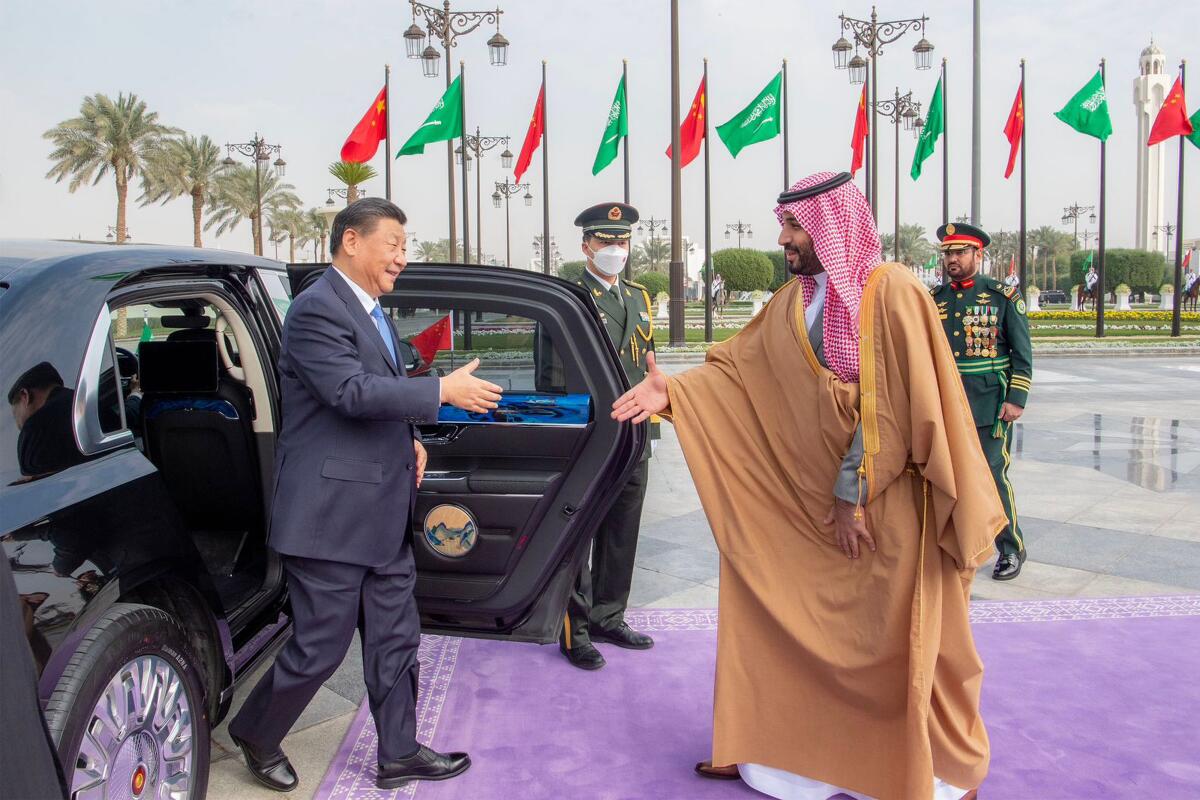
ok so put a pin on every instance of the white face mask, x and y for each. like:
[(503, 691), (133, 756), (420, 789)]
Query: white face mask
[(610, 260)]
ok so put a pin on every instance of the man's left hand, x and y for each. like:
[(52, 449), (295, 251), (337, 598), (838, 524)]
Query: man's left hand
[(1011, 412), (422, 460), (849, 530)]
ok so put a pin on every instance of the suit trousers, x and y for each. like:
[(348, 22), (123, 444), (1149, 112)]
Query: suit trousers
[(997, 451), (602, 590), (329, 600)]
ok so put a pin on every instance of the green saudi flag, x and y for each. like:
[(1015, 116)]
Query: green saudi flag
[(617, 127), (935, 126), (1087, 111), (1087, 262), (147, 332), (1195, 137), (442, 124), (757, 122)]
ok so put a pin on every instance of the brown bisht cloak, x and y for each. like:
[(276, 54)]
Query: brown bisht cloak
[(858, 673)]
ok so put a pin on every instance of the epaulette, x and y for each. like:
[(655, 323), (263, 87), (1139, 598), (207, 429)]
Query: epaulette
[(934, 289), (636, 285), (1010, 292)]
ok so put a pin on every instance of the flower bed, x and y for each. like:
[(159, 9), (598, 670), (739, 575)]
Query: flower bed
[(1113, 316)]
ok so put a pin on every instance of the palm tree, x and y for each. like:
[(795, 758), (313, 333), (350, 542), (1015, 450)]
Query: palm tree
[(430, 251), (352, 174), (915, 249), (295, 225), (234, 199), (655, 254), (187, 165), (107, 135), (320, 230)]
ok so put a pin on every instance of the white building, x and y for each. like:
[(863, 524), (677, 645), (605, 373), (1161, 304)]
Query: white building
[(1150, 89)]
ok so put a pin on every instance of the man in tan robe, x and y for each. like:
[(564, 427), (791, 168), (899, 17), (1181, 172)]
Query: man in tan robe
[(845, 660)]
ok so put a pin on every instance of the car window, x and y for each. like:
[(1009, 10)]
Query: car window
[(279, 288), (514, 352)]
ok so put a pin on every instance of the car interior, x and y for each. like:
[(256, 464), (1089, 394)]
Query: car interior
[(194, 406)]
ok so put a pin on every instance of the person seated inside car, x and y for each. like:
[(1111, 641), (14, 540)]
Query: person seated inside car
[(42, 408)]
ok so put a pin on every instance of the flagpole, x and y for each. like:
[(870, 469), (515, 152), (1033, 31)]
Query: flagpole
[(786, 183), (676, 309), (945, 149), (625, 147), (1023, 144), (387, 131), (868, 162), (1175, 313), (708, 278), (545, 177), (1100, 245), (466, 203)]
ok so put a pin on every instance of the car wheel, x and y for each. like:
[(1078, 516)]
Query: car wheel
[(128, 714)]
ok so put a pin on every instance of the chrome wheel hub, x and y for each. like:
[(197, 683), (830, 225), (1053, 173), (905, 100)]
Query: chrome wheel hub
[(138, 742)]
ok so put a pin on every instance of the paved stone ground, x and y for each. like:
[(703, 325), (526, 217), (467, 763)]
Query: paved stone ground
[(1107, 472)]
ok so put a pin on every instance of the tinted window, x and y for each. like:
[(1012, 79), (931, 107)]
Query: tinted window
[(514, 352)]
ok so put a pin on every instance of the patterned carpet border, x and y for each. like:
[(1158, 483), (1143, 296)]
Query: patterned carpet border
[(352, 773), (983, 612)]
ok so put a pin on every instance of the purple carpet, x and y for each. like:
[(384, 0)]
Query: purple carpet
[(1082, 698)]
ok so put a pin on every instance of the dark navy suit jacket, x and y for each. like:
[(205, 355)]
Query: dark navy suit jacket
[(345, 468)]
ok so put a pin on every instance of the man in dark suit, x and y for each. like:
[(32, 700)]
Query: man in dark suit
[(346, 474)]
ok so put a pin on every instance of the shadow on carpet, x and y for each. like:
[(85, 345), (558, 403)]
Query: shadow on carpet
[(1083, 699)]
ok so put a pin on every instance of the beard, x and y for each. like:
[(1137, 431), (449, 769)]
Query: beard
[(806, 261)]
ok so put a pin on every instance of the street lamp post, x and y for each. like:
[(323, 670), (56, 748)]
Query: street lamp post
[(447, 26), (1073, 212), (900, 110), (872, 35), (112, 232), (343, 193), (1169, 230), (257, 149), (655, 225), (739, 228), (479, 145), (504, 191)]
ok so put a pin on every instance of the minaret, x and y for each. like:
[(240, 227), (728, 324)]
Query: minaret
[(1149, 90)]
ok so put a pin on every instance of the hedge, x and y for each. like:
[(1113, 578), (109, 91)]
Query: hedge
[(743, 270), (1142, 270), (654, 282), (572, 270), (779, 262)]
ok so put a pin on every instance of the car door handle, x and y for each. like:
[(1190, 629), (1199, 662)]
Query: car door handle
[(446, 482), (440, 434)]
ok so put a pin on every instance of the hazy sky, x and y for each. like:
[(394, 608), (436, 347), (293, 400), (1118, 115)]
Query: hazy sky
[(303, 72)]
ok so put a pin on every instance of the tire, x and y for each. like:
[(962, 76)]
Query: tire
[(138, 656)]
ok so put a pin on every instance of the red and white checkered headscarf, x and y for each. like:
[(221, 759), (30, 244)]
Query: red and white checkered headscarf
[(847, 244)]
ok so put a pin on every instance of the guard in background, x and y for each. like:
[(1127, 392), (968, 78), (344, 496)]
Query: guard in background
[(989, 334), (596, 609)]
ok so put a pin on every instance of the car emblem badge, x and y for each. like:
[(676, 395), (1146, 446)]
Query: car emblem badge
[(451, 530)]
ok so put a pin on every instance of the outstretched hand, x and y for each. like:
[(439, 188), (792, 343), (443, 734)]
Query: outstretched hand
[(647, 398), (462, 389)]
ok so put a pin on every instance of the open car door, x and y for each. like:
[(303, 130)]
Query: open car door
[(510, 499)]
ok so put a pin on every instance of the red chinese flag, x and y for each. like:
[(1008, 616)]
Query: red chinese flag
[(1012, 265), (691, 132), (1014, 129), (858, 142), (433, 339), (364, 140), (1172, 119), (1187, 259), (533, 137)]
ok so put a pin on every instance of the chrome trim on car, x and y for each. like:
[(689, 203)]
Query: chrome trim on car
[(88, 435)]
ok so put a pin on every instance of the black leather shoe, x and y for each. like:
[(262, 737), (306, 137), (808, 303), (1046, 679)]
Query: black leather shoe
[(584, 656), (423, 765), (270, 768), (622, 636), (1008, 566)]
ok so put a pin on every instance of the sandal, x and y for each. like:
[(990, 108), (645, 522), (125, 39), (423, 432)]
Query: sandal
[(705, 769)]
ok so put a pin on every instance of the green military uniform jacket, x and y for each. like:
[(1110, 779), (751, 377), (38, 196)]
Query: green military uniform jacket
[(988, 332), (629, 321)]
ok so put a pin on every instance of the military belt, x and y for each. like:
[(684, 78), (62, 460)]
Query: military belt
[(982, 366)]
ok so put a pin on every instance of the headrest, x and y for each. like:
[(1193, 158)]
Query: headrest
[(184, 321), (182, 366)]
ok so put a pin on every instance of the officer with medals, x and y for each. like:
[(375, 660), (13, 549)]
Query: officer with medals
[(596, 609), (989, 334)]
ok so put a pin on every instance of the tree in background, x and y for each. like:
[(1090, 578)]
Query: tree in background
[(652, 255), (572, 270), (234, 199), (915, 248), (108, 135), (743, 270), (1142, 270), (781, 275), (353, 175), (320, 228), (295, 225), (182, 166), (654, 282)]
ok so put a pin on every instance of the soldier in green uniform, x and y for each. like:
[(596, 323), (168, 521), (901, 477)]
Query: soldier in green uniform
[(596, 609), (989, 333)]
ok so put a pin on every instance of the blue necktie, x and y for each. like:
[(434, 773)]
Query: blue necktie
[(385, 330)]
